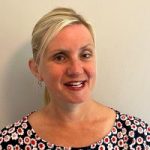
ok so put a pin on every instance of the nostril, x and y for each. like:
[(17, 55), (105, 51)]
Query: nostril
[(75, 68), (73, 71)]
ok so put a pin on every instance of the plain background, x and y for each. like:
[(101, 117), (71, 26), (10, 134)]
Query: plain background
[(122, 31)]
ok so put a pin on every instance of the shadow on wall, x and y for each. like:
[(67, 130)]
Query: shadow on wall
[(21, 92)]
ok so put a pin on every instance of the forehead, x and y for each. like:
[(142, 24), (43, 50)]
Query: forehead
[(74, 29), (74, 35)]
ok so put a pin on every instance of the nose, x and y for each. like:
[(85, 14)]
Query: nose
[(75, 68)]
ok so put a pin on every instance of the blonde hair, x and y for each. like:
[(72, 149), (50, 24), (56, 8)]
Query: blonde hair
[(48, 27)]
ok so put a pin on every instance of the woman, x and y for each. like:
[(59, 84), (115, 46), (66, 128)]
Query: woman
[(64, 60)]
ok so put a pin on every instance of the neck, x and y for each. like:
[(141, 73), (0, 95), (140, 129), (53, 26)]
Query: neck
[(70, 113)]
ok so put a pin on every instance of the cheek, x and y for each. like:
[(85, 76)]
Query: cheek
[(92, 75), (52, 75), (92, 70)]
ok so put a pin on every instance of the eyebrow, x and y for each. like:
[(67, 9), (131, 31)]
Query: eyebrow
[(54, 51), (91, 45)]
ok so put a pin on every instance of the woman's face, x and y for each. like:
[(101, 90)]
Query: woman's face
[(68, 65)]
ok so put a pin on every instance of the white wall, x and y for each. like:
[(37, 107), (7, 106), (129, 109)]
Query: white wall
[(122, 31)]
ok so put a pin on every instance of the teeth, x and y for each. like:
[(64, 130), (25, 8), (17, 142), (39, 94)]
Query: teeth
[(75, 83)]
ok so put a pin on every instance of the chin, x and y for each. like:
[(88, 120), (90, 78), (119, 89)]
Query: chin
[(78, 100)]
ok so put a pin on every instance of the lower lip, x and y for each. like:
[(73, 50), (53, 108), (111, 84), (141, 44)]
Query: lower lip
[(73, 88)]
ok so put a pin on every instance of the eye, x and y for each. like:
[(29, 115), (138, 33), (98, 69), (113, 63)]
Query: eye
[(60, 58), (86, 55)]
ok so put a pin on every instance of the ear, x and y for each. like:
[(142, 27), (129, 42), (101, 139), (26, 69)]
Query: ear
[(34, 69)]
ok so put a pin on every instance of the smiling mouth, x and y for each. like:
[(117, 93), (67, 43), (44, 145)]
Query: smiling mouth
[(75, 84)]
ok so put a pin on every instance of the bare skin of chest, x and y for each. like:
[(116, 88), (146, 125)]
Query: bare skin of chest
[(73, 136), (77, 134)]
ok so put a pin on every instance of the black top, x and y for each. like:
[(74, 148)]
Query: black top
[(127, 133)]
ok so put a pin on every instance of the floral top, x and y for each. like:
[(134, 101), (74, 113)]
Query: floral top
[(128, 133)]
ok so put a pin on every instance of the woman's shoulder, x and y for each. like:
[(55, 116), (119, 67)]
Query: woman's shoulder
[(15, 133), (133, 127), (130, 121)]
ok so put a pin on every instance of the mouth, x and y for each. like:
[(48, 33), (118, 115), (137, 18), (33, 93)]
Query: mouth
[(75, 85)]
